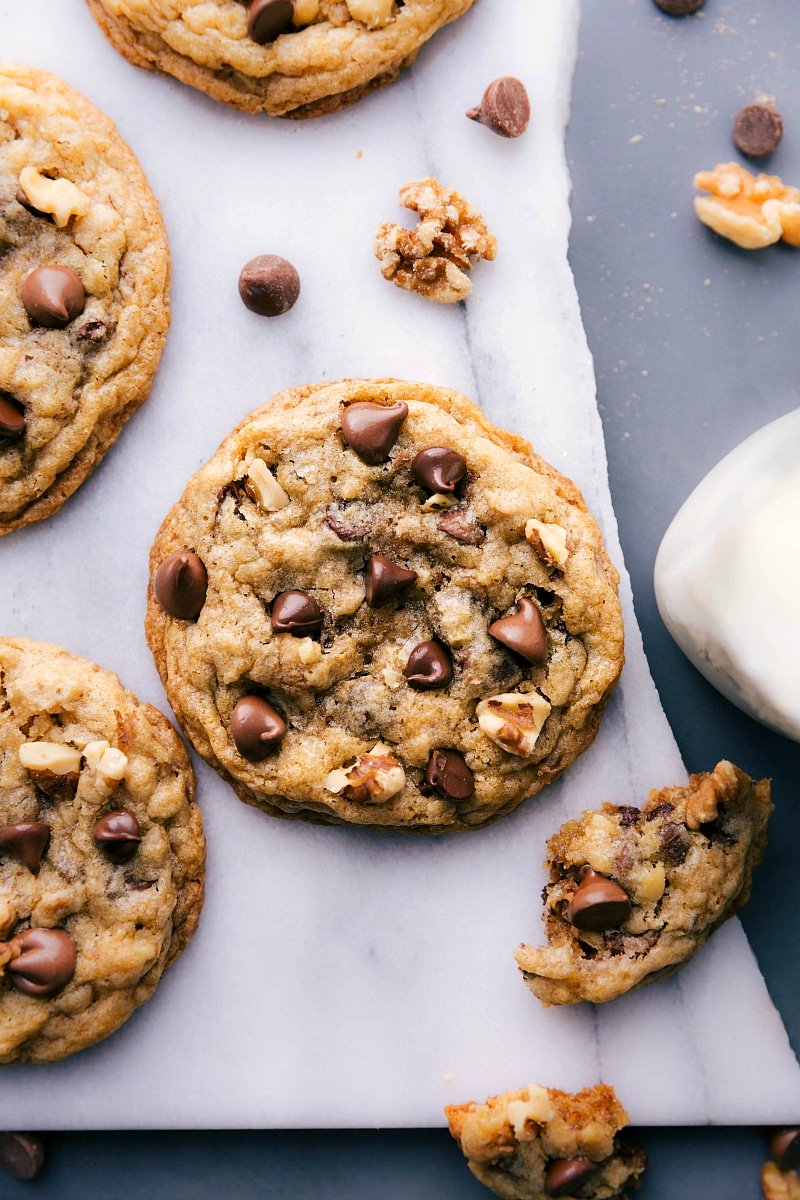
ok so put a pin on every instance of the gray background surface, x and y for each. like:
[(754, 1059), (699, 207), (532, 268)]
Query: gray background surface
[(696, 346)]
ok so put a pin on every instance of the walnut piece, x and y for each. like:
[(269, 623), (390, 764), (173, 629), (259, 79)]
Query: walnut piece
[(58, 197), (373, 13), (372, 779), (719, 786), (514, 720), (52, 757), (262, 487), (549, 542), (434, 258), (109, 763), (779, 1185), (751, 210)]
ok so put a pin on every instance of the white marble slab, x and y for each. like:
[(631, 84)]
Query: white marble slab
[(341, 978)]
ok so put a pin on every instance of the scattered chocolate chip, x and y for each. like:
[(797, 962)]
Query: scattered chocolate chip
[(564, 1176), (53, 296), (784, 1146), (384, 579), (674, 845), (21, 1154), (523, 632), (268, 19), (27, 841), (256, 727), (758, 129), (347, 524), (118, 835), (505, 107), (45, 964), (296, 613), (598, 904), (660, 810), (269, 285), (371, 430), (448, 774), (439, 469), (12, 419), (460, 524), (93, 330), (429, 667), (180, 585), (679, 8), (57, 787), (628, 815)]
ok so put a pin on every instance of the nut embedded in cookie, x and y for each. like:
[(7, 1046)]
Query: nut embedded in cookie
[(634, 894)]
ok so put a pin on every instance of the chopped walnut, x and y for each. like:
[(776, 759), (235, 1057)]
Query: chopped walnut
[(779, 1185), (549, 542), (751, 210), (60, 198), (434, 258), (514, 720), (720, 785), (373, 13), (372, 779)]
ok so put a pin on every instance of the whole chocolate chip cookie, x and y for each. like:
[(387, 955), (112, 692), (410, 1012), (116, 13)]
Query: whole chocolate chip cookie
[(102, 854), (373, 607), (290, 58), (84, 277)]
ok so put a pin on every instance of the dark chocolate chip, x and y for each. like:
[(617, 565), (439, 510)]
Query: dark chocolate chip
[(505, 107), (758, 129), (523, 632), (21, 1154), (448, 774), (180, 585), (27, 841), (256, 727), (598, 904), (57, 787), (628, 815), (269, 285), (784, 1146), (460, 524), (118, 835), (53, 296), (268, 19), (564, 1176), (439, 468), (429, 667), (371, 430), (12, 419), (679, 8), (94, 330), (384, 579), (45, 963), (660, 811), (348, 522), (674, 845), (296, 613)]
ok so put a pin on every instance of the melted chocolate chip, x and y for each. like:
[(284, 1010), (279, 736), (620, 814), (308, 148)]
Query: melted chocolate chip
[(118, 835), (460, 524), (268, 19), (346, 524), (53, 296), (674, 845), (384, 579), (269, 285), (598, 904), (21, 1154), (523, 632), (296, 613), (45, 964), (439, 469), (505, 107), (180, 585), (12, 419), (448, 774), (256, 727), (429, 667), (27, 841), (371, 430), (564, 1176), (628, 815)]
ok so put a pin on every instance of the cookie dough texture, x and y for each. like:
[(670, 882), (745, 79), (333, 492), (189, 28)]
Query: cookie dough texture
[(511, 1140), (128, 921), (78, 385), (339, 53), (686, 861), (345, 691)]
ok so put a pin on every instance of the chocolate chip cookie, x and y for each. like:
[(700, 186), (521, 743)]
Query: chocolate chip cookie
[(635, 893), (101, 851), (372, 607), (540, 1142), (289, 58), (84, 277)]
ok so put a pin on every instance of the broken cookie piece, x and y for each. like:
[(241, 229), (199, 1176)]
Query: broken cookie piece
[(634, 894), (751, 210), (539, 1142), (434, 258)]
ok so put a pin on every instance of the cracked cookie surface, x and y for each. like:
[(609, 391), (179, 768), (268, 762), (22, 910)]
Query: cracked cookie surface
[(330, 579), (635, 893), (326, 56), (101, 851), (70, 376)]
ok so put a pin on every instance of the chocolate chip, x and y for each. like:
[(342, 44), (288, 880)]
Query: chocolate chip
[(505, 107), (267, 19), (371, 430), (660, 810), (448, 774), (459, 523), (180, 585), (118, 835), (93, 330), (564, 1176), (21, 1154), (256, 727), (57, 787), (628, 815), (598, 904), (27, 841), (784, 1146), (429, 667), (296, 613), (269, 285), (384, 579), (679, 8), (347, 524), (45, 964), (673, 844), (53, 296), (758, 129), (12, 419), (439, 468), (523, 632)]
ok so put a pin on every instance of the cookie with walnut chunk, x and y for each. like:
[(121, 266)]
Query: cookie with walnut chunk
[(373, 607), (635, 893), (102, 856), (539, 1142)]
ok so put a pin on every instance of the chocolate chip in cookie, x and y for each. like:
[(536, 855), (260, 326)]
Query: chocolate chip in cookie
[(505, 107), (269, 285), (257, 727), (27, 841), (297, 613), (384, 579), (448, 774), (371, 430), (180, 585), (118, 835), (12, 419), (523, 632), (564, 1176), (429, 667), (268, 19), (439, 468), (598, 904), (53, 296), (43, 963)]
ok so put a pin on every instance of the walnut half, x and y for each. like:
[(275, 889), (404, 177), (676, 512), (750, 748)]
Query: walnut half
[(751, 210)]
